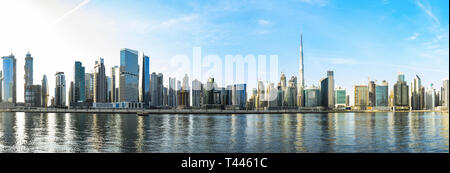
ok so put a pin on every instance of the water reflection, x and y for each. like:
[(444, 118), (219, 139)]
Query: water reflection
[(340, 132)]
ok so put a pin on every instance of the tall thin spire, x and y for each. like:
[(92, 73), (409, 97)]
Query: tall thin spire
[(300, 80)]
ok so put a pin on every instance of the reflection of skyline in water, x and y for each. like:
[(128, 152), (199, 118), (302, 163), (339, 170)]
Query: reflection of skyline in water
[(332, 132)]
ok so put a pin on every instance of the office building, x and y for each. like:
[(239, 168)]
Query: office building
[(340, 95), (382, 94), (9, 83), (79, 88), (44, 91), (100, 82), (28, 80), (361, 97), (197, 90), (372, 94), (89, 87), (144, 91), (172, 95), (60, 90), (129, 76), (115, 80), (312, 96), (401, 93), (416, 88)]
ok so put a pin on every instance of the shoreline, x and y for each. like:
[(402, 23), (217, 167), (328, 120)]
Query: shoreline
[(196, 111)]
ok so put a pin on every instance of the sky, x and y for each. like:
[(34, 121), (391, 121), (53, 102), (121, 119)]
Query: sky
[(359, 40)]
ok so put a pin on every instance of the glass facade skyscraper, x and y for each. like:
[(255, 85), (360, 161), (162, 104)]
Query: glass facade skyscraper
[(9, 84), (145, 81), (341, 96), (382, 94), (60, 90), (79, 92), (129, 76)]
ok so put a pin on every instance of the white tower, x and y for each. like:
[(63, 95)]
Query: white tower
[(301, 81)]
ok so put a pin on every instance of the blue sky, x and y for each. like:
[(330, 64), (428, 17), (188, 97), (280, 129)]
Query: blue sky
[(357, 39)]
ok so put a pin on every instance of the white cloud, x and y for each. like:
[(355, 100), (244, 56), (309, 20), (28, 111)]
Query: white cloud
[(263, 22), (427, 9), (413, 37), (71, 11)]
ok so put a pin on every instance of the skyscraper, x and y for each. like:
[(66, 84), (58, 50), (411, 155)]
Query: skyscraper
[(361, 96), (129, 76), (240, 93), (28, 77), (1, 83), (301, 80), (144, 96), (312, 96), (156, 88), (9, 84), (196, 93), (79, 87), (382, 94), (430, 98), (115, 80), (60, 89), (172, 95), (184, 94), (89, 87), (324, 92), (372, 94), (340, 95), (415, 93), (100, 84), (44, 91), (445, 93), (331, 99), (401, 92)]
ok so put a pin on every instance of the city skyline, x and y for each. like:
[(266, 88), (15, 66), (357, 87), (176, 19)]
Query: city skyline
[(315, 68)]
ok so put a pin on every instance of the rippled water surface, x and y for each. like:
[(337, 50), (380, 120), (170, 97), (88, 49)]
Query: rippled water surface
[(334, 132)]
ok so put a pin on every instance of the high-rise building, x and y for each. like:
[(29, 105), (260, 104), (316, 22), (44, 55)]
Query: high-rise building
[(71, 97), (361, 96), (401, 92), (184, 94), (156, 88), (240, 93), (331, 99), (144, 95), (79, 88), (291, 93), (1, 83), (445, 93), (89, 87), (283, 88), (261, 101), (209, 92), (28, 78), (372, 94), (381, 94), (44, 91), (324, 92), (108, 89), (60, 89), (196, 93), (312, 96), (100, 84), (172, 95), (9, 84), (33, 95), (115, 80), (430, 99), (415, 93), (301, 80), (129, 76), (340, 95)]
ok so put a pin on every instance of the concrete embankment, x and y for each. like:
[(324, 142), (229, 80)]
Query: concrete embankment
[(190, 111)]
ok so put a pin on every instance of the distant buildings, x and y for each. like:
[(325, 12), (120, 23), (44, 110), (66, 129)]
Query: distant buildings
[(445, 94)]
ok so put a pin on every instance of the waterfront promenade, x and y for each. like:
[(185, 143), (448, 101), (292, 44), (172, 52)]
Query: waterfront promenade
[(193, 111)]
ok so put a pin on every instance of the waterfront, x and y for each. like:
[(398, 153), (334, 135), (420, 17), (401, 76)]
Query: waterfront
[(263, 133)]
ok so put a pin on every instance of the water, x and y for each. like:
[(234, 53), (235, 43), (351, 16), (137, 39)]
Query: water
[(334, 132)]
